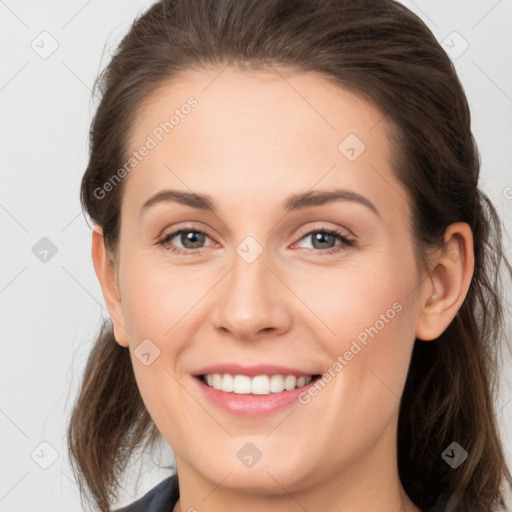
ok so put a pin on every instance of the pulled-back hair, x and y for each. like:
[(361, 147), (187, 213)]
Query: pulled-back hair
[(381, 51)]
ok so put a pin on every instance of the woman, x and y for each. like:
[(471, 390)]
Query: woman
[(298, 263)]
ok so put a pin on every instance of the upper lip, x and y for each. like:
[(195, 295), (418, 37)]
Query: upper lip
[(251, 371)]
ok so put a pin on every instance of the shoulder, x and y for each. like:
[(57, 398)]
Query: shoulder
[(159, 499)]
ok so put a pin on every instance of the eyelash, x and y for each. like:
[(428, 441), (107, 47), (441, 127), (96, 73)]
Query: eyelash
[(345, 244)]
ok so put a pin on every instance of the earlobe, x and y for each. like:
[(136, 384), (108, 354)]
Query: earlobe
[(450, 277), (105, 272)]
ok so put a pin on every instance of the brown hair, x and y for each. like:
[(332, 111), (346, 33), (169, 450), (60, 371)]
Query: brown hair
[(385, 53)]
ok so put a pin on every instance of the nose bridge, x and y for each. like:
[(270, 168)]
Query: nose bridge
[(251, 300)]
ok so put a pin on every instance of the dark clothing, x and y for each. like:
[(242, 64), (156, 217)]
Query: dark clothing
[(164, 496), (161, 498)]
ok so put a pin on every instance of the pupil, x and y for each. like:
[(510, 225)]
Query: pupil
[(319, 237), (193, 237)]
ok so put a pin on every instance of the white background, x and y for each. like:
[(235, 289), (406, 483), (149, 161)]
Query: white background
[(50, 312)]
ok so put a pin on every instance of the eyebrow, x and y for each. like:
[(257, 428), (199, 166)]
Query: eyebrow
[(292, 202)]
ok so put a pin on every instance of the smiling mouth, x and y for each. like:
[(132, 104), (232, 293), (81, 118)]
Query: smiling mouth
[(257, 385)]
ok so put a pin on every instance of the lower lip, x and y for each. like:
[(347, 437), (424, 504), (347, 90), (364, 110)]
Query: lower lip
[(248, 404)]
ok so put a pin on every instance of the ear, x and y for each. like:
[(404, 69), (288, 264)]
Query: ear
[(451, 274), (105, 272)]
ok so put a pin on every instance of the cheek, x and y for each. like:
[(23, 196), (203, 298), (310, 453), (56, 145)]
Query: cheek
[(369, 323), (362, 302), (157, 297), (368, 356), (158, 309), (161, 304)]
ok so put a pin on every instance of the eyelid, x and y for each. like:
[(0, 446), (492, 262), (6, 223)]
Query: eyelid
[(324, 227), (176, 231)]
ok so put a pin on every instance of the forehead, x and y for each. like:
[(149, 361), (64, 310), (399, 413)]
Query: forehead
[(268, 100), (265, 131)]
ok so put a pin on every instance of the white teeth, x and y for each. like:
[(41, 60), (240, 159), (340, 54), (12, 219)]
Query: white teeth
[(276, 384), (290, 382), (241, 383), (217, 380), (227, 383), (259, 385)]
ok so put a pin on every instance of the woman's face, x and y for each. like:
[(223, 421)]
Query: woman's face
[(268, 283)]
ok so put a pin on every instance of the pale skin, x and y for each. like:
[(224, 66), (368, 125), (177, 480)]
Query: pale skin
[(251, 142)]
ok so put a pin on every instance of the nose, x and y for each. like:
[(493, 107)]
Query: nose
[(252, 301)]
